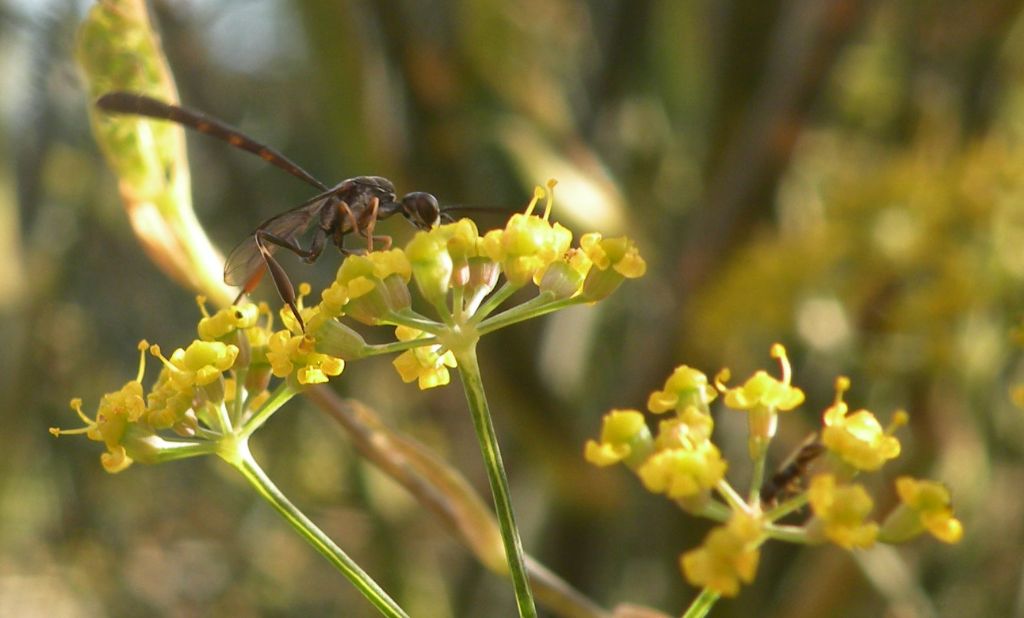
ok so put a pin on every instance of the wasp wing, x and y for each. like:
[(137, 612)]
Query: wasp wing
[(245, 264)]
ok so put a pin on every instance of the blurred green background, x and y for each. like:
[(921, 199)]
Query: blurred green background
[(843, 176)]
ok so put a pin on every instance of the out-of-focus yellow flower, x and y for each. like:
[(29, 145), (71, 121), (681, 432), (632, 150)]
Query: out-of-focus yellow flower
[(841, 511), (426, 364), (763, 391), (925, 505), (685, 387), (858, 438), (288, 353), (691, 426), (683, 472), (728, 556), (614, 260), (624, 436)]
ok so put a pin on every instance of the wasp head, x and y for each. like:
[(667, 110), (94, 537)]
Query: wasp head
[(421, 210)]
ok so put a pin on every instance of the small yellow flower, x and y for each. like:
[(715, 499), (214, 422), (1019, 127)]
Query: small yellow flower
[(728, 556), (333, 299), (690, 427), (288, 353), (614, 260), (528, 243), (683, 472), (564, 277), (426, 364), (858, 438), (925, 505), (225, 321), (200, 364), (376, 284), (624, 435), (841, 511), (684, 388), (117, 411), (763, 391), (169, 405)]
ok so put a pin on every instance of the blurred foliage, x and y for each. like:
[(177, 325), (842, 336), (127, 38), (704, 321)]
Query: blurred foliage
[(839, 175)]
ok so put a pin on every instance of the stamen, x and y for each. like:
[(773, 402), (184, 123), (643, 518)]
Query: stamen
[(538, 192), (721, 378), (201, 301), (899, 419), (842, 385), (76, 405), (143, 346), (551, 198), (779, 352)]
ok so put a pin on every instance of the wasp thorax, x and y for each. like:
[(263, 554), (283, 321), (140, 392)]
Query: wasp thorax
[(421, 209)]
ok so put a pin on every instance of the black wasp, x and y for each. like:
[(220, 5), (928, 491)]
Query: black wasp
[(353, 205)]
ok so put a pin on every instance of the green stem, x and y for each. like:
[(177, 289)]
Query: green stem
[(757, 476), (399, 346), (702, 604), (493, 301), (236, 404), (795, 503), (241, 458), (792, 534), (280, 396), (469, 371), (732, 498), (716, 511), (414, 320), (535, 307)]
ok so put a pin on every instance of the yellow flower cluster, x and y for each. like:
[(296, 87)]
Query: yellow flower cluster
[(186, 397), (683, 463)]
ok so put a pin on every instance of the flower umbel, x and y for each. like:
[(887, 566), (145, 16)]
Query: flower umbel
[(683, 463)]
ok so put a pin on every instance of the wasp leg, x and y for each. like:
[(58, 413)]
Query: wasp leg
[(371, 223), (284, 286)]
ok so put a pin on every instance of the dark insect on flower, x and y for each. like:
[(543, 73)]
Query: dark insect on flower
[(352, 206), (786, 480)]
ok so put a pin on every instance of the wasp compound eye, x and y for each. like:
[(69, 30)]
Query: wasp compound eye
[(421, 209)]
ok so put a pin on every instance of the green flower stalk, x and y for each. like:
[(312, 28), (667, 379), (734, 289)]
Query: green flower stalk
[(118, 49), (682, 462)]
